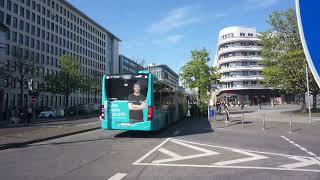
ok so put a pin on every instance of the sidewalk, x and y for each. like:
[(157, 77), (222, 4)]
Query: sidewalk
[(14, 137), (275, 124), (6, 124)]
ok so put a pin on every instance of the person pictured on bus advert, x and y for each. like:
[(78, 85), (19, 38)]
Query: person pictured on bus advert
[(136, 103)]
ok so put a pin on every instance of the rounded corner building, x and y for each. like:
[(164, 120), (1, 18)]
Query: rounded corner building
[(237, 59)]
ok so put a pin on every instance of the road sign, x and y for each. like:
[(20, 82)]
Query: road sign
[(308, 15)]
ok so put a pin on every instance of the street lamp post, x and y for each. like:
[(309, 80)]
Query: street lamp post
[(308, 94)]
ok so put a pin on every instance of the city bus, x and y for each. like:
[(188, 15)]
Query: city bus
[(140, 102)]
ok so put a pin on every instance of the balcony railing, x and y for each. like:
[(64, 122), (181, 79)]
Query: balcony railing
[(240, 66), (238, 58), (241, 78), (238, 38)]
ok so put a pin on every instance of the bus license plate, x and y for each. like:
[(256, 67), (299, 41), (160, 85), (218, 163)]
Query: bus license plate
[(125, 124)]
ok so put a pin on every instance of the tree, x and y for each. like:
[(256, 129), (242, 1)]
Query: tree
[(21, 67), (283, 55), (197, 74), (65, 81), (91, 84)]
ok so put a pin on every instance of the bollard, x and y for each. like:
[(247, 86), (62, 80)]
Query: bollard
[(290, 121), (264, 122), (243, 119)]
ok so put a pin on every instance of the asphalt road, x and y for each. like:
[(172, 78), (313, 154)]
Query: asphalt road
[(192, 149)]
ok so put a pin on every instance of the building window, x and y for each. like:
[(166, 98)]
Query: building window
[(21, 11), (8, 35), (1, 3), (1, 17), (27, 27), (14, 36), (14, 22), (242, 34), (21, 25), (250, 34), (20, 38), (27, 14), (9, 5), (33, 17), (15, 8), (26, 41), (7, 49)]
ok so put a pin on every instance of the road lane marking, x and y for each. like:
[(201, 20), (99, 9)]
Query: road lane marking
[(151, 151), (253, 157), (118, 176), (230, 148), (204, 153), (86, 124), (302, 161), (169, 153), (301, 148), (230, 167)]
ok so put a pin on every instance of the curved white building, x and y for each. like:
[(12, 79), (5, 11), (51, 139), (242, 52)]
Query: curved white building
[(237, 58)]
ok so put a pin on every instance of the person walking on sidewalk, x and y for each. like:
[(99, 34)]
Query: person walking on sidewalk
[(226, 110)]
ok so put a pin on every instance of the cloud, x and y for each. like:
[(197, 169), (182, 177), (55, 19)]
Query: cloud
[(172, 39), (254, 4), (176, 18)]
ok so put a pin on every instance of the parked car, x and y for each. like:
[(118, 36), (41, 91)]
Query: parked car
[(48, 114)]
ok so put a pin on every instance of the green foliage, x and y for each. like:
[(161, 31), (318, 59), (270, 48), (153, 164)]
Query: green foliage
[(283, 54), (197, 74), (67, 80)]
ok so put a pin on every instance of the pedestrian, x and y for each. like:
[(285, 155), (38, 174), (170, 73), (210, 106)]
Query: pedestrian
[(226, 110), (29, 114), (259, 104)]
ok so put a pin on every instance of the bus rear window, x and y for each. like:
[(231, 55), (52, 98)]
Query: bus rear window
[(120, 87)]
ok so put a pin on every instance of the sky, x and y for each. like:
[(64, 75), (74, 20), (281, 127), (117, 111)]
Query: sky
[(165, 31)]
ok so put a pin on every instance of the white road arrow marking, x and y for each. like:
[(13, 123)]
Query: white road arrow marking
[(176, 157), (304, 161), (253, 158)]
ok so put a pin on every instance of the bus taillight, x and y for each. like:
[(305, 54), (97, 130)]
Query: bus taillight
[(102, 112), (150, 113)]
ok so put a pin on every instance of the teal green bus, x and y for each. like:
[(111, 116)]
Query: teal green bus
[(140, 102)]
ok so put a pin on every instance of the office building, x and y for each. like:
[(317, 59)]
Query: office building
[(164, 73), (127, 65), (44, 30), (238, 59), (3, 30)]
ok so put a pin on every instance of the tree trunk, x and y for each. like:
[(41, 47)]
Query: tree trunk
[(67, 102), (88, 96), (95, 97), (21, 94), (303, 102)]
